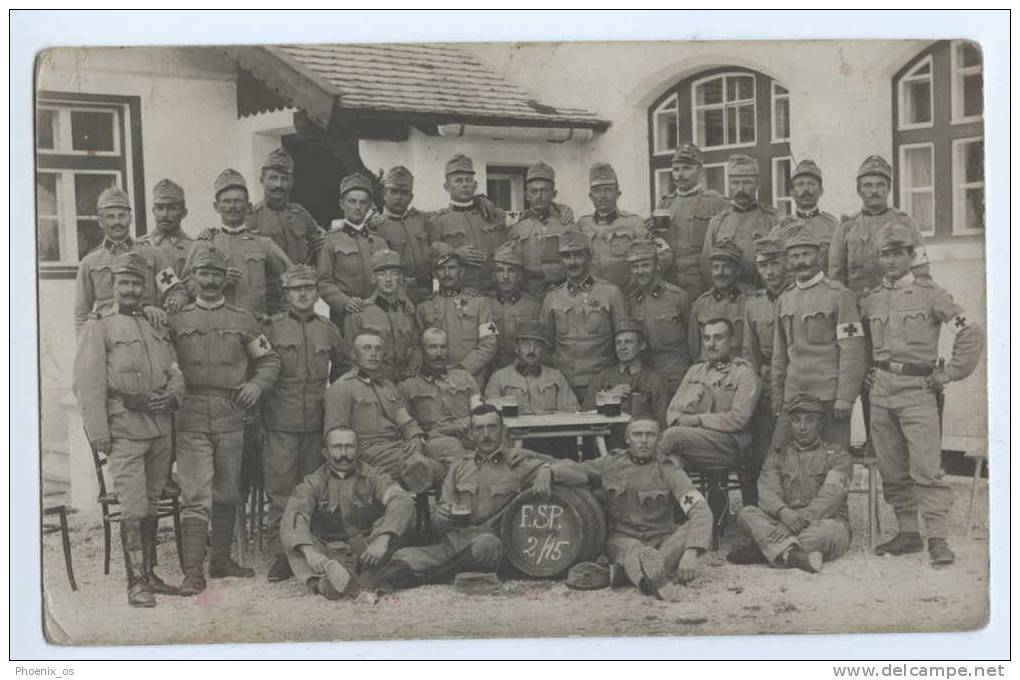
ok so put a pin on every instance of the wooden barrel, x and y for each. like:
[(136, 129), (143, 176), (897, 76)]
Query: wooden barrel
[(545, 537)]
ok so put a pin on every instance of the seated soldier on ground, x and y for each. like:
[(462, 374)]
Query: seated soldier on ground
[(344, 521), (475, 493), (801, 518), (642, 492)]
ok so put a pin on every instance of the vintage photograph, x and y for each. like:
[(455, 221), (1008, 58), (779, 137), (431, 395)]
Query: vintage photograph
[(511, 340)]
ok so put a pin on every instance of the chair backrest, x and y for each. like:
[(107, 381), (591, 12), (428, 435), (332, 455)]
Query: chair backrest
[(99, 461)]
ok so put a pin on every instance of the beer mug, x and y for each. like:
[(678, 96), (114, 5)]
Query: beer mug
[(612, 405), (661, 217), (600, 402), (460, 516), (509, 406)]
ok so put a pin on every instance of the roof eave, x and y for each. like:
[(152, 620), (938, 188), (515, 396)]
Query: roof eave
[(439, 118)]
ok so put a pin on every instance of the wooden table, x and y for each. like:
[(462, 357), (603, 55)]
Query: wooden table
[(555, 425)]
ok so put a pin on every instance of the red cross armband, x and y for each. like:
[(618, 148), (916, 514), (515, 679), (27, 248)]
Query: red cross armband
[(958, 323), (845, 331), (487, 329), (258, 348), (689, 499), (166, 279)]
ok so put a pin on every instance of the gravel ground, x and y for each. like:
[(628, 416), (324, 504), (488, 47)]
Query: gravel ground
[(858, 593)]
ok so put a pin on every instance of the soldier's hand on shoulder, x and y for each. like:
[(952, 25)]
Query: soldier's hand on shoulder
[(355, 305), (247, 395), (206, 235), (489, 210), (174, 304), (155, 316), (234, 276)]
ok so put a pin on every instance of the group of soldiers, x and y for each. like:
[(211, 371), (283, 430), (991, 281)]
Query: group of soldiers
[(733, 339)]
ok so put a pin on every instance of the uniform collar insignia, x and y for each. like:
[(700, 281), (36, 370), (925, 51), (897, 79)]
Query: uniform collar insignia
[(382, 303), (510, 299), (608, 218), (584, 286), (719, 293), (453, 292), (234, 231), (813, 281), (744, 209), (876, 213), (367, 378), (817, 443), (431, 374), (299, 316), (639, 461), (118, 246), (395, 216), (808, 214), (690, 192), (631, 369), (496, 458), (655, 290), (528, 371), (202, 304), (458, 206), (720, 365), (902, 282)]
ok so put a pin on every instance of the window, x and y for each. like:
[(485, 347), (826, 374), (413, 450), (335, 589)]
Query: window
[(84, 144), (916, 96), (666, 127), (969, 186), (782, 199), (724, 110), (938, 139), (968, 82), (504, 185)]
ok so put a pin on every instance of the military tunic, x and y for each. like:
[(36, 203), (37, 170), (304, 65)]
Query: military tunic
[(717, 304), (664, 311), (742, 226), (820, 223), (345, 267), (582, 319), (121, 355), (406, 234), (649, 394), (510, 312), (546, 392), (853, 253), (538, 238), (174, 246), (395, 321), (611, 236), (465, 226), (259, 260), (818, 350), (690, 214), (905, 320), (292, 228), (814, 483), (759, 331), (94, 282), (337, 514), (471, 334), (441, 404)]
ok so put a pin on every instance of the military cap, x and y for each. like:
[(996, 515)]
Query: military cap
[(629, 325), (726, 250), (476, 583), (574, 240), (767, 249), (385, 259), (601, 174), (443, 251), (799, 233), (279, 159), (460, 163), (131, 263), (688, 153), (540, 171), (805, 403), (533, 330), (740, 165), (641, 249), (209, 257), (588, 576), (355, 181), (229, 179), (399, 177), (113, 197), (896, 234), (508, 254), (299, 275), (167, 191), (807, 167), (875, 165)]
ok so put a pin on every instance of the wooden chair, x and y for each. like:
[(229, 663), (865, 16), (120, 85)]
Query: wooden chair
[(859, 456), (980, 458), (715, 483), (60, 510), (169, 506)]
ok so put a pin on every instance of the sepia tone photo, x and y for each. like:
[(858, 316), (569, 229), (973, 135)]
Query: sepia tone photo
[(505, 340)]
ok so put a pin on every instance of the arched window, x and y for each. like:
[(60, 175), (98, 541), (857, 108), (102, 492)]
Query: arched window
[(938, 139), (724, 111)]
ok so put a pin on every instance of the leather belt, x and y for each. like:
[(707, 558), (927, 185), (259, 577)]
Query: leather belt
[(203, 391), (901, 368)]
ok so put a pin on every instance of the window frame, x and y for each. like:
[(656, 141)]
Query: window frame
[(960, 189), (909, 77), (672, 102), (776, 198), (904, 191), (725, 175), (668, 171), (956, 73), (754, 108), (775, 137)]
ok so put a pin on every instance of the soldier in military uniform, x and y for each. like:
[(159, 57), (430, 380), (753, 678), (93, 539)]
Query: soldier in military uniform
[(476, 490), (403, 228), (511, 306), (439, 397), (641, 390), (466, 224), (289, 225), (709, 418), (818, 345), (369, 404), (664, 311), (611, 230), (127, 382), (94, 282), (344, 261), (807, 189), (581, 314), (801, 519), (252, 259), (292, 413), (642, 492), (390, 313), (228, 365), (744, 221), (537, 233), (344, 521), (759, 332), (536, 387), (463, 313), (169, 209), (853, 253), (905, 316), (691, 207), (725, 299)]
